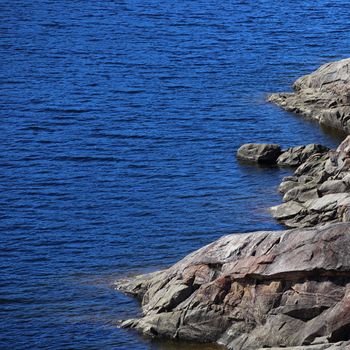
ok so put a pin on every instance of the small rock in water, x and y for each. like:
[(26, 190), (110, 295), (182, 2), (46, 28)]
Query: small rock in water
[(262, 153)]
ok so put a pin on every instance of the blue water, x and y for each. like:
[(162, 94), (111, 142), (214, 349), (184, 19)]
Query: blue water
[(119, 126)]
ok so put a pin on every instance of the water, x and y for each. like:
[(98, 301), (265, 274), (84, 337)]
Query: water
[(119, 126)]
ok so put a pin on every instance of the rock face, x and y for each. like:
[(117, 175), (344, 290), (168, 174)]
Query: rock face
[(323, 95), (257, 290), (259, 153), (319, 191)]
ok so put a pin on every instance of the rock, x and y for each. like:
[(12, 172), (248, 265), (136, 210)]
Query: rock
[(323, 95), (301, 193), (344, 147), (336, 346), (313, 166), (287, 185), (286, 210), (333, 186), (259, 153), (319, 190), (283, 289), (328, 202), (248, 291), (291, 157), (295, 156)]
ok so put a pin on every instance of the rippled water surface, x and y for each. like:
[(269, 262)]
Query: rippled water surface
[(119, 126)]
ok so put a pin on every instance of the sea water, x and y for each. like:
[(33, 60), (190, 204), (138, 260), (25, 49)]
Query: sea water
[(119, 126)]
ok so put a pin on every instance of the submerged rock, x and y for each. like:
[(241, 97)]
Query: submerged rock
[(256, 290), (323, 95), (259, 152)]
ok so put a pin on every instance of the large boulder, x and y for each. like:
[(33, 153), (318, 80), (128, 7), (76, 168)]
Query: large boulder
[(259, 152), (257, 290), (323, 95)]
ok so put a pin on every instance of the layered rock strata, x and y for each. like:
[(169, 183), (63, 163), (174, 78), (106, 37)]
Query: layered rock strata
[(257, 290), (323, 95), (319, 190)]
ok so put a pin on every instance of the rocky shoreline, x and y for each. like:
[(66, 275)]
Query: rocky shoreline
[(278, 289), (319, 190), (323, 95)]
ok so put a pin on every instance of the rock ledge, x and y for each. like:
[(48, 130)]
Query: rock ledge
[(248, 291), (323, 95)]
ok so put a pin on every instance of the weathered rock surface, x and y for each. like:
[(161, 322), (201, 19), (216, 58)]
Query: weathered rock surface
[(249, 291), (264, 153), (282, 289), (259, 152), (295, 156), (323, 95), (319, 191)]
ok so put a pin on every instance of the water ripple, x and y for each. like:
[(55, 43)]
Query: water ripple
[(120, 122)]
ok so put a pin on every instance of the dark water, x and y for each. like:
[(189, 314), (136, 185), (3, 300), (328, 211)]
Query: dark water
[(119, 126)]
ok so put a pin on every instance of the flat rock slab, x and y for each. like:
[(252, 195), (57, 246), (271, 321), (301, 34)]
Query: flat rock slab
[(248, 291), (286, 210)]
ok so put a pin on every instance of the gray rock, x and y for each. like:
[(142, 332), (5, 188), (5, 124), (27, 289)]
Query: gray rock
[(286, 210), (323, 95), (321, 186), (333, 186), (301, 193), (327, 202), (295, 156), (285, 186), (313, 166), (247, 291), (336, 346), (259, 153)]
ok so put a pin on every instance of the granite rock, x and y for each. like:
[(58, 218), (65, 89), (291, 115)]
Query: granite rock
[(295, 156), (323, 95), (248, 291), (259, 153), (319, 190)]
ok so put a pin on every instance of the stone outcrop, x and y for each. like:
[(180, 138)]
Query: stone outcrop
[(259, 153), (282, 289), (248, 291), (323, 95), (319, 190)]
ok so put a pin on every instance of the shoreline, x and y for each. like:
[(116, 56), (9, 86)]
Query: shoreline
[(287, 288)]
